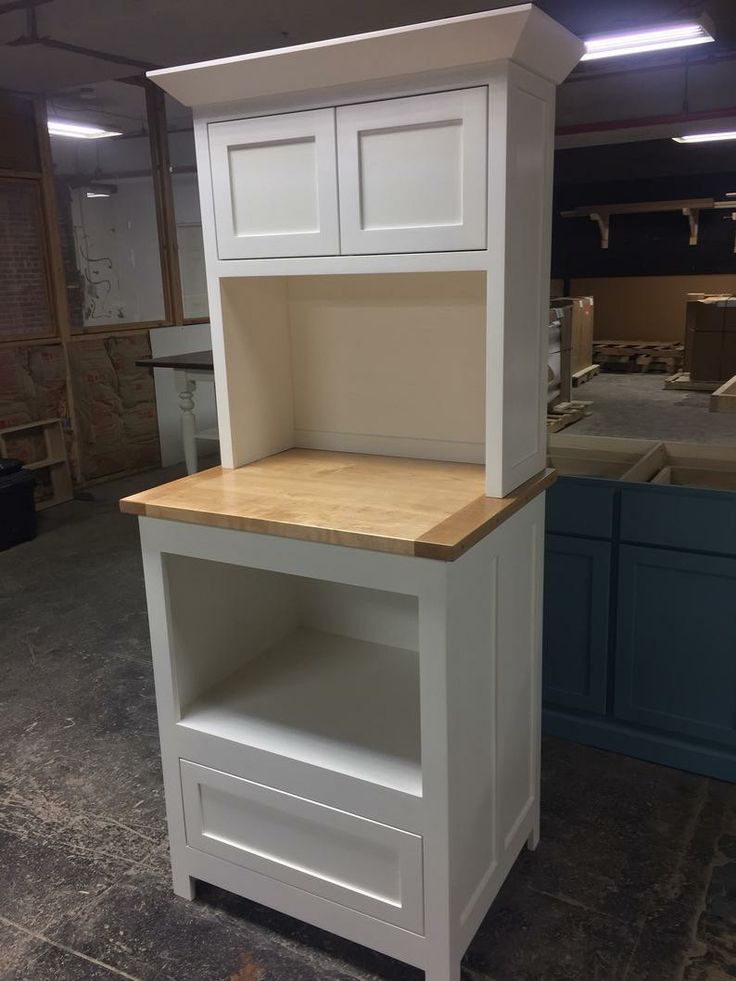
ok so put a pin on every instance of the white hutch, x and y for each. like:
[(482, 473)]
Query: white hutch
[(345, 617)]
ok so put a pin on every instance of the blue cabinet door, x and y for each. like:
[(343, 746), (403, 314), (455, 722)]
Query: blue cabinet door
[(576, 603), (675, 657)]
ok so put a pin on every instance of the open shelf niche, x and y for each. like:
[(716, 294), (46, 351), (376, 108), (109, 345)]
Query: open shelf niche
[(320, 672), (385, 363)]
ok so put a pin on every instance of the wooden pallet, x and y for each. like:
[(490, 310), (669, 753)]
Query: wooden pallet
[(585, 374), (724, 398), (564, 414), (639, 356), (54, 460), (681, 382)]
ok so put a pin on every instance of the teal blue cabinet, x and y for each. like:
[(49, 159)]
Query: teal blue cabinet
[(577, 574), (676, 643), (640, 621)]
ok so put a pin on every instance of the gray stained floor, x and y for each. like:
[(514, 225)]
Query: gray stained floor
[(638, 405), (635, 877)]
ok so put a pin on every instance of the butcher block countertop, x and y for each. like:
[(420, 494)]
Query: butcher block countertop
[(426, 508)]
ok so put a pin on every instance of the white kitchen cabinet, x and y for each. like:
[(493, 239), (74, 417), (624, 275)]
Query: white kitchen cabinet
[(412, 173), (346, 631), (274, 185)]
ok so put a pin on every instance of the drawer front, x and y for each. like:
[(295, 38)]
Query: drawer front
[(338, 856), (274, 185), (581, 506), (412, 173), (679, 517)]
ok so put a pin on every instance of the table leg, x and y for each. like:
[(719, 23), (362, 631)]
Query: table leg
[(186, 388)]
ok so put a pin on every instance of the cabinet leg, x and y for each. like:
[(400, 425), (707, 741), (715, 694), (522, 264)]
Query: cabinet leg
[(184, 885), (533, 840), (443, 972)]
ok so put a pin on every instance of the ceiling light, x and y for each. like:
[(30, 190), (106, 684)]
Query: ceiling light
[(655, 39), (98, 194), (705, 137), (79, 131)]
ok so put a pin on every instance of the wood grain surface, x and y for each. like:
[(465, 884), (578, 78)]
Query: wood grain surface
[(426, 508)]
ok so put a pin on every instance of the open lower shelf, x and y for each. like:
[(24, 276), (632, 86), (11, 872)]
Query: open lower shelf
[(336, 702)]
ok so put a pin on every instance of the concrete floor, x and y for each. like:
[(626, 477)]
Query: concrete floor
[(638, 405), (635, 878)]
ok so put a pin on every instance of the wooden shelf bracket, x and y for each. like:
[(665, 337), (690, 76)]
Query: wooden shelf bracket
[(603, 222), (693, 217)]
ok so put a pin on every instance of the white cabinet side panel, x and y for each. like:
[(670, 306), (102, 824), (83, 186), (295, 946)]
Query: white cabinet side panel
[(517, 672), (255, 332), (522, 120)]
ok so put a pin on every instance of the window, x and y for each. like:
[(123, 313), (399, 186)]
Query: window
[(183, 169), (107, 208)]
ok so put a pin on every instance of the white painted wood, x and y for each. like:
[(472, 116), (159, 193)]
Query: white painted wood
[(255, 402), (523, 34), (289, 718), (521, 134), (412, 173), (275, 185), (389, 364), (342, 857), (310, 692), (336, 702)]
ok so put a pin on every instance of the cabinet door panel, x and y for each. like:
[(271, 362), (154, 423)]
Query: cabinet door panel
[(274, 183), (412, 173), (675, 652), (576, 603)]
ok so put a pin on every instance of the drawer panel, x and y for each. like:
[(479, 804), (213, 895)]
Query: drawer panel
[(338, 856), (679, 517), (581, 506)]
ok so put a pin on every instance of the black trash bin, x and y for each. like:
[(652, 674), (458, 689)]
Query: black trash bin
[(17, 509)]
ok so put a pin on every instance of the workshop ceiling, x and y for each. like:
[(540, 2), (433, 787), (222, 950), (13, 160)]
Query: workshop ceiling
[(137, 33)]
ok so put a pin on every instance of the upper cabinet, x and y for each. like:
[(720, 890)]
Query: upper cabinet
[(274, 185), (412, 173), (410, 176)]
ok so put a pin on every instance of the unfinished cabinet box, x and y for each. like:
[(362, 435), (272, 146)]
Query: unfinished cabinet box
[(346, 617)]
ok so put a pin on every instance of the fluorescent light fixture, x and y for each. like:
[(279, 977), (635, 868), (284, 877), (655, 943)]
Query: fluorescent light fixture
[(654, 39), (705, 137), (80, 131), (98, 194)]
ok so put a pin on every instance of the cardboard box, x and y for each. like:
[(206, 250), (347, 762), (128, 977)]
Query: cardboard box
[(710, 339), (581, 313)]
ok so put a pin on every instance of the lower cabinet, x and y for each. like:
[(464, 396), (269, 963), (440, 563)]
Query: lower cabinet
[(676, 645), (577, 573), (640, 640), (342, 857)]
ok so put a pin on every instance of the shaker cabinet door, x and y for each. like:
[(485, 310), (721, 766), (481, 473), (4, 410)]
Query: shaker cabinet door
[(274, 185), (676, 644), (412, 173), (577, 574)]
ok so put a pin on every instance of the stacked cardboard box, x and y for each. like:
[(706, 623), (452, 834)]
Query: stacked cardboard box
[(559, 376), (581, 314), (710, 337)]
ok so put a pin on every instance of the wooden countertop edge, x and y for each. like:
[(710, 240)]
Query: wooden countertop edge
[(446, 542), (279, 529), (455, 535)]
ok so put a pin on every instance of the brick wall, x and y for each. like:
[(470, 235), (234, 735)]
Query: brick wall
[(25, 309), (116, 405)]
